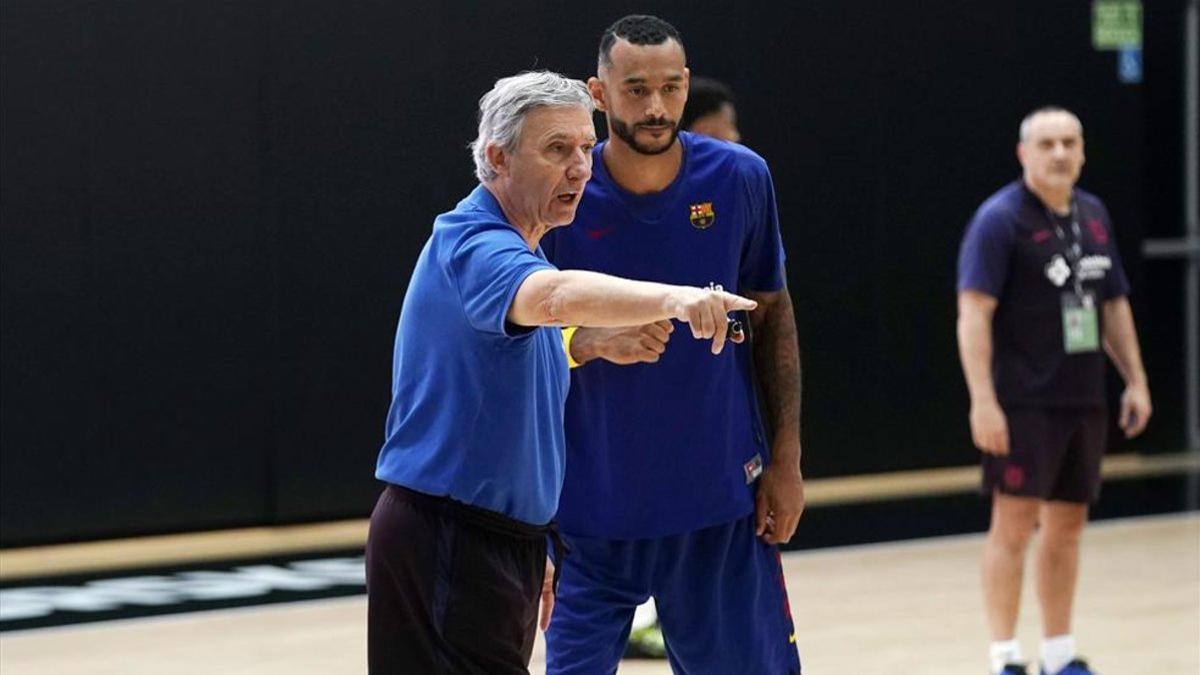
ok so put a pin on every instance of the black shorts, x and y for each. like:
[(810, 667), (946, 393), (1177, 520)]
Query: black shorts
[(450, 588), (1054, 454)]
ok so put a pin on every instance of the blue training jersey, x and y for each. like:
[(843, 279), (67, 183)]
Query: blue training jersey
[(670, 447), (477, 403)]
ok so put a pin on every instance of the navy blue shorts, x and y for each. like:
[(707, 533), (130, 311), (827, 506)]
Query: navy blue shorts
[(720, 595), (1054, 454)]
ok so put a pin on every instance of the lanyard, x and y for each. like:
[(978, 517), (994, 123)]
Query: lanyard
[(1074, 248)]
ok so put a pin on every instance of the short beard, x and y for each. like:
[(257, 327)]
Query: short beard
[(622, 130)]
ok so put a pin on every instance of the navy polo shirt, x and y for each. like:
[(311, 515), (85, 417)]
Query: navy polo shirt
[(655, 449), (477, 403), (1011, 252)]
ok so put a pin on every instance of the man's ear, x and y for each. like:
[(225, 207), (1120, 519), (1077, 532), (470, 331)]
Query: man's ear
[(497, 158), (596, 88)]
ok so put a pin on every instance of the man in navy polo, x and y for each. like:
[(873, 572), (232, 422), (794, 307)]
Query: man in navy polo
[(1041, 298), (675, 488)]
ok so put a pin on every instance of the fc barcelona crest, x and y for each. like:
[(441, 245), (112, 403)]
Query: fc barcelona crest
[(702, 215)]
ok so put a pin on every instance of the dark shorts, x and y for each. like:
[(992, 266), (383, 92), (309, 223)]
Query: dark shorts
[(1054, 454), (450, 588), (720, 595)]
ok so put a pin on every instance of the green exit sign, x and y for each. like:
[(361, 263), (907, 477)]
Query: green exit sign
[(1116, 24)]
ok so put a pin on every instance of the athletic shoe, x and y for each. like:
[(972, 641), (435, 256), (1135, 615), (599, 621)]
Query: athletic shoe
[(1075, 667), (1014, 669), (646, 643)]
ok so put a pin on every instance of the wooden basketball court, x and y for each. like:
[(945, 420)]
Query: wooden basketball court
[(887, 608)]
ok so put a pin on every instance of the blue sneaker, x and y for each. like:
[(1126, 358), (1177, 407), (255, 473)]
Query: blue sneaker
[(1075, 667), (1014, 669)]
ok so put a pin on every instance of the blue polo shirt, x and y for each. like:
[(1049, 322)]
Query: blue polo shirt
[(663, 448), (1012, 251), (477, 403)]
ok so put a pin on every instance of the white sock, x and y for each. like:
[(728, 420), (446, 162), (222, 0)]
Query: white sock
[(645, 615), (1003, 653), (1057, 652)]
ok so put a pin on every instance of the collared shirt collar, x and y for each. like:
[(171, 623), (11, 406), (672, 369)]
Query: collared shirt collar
[(483, 199)]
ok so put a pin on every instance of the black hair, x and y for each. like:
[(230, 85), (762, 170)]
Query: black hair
[(705, 97), (638, 29)]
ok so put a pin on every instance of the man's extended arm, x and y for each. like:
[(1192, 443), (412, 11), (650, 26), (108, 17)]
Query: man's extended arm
[(579, 298)]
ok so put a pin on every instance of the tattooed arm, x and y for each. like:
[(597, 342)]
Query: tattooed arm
[(780, 499)]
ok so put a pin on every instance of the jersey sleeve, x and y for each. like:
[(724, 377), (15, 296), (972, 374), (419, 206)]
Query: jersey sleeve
[(762, 260), (487, 268), (987, 246)]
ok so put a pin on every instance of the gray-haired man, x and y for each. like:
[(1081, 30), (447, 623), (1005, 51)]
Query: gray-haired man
[(473, 457)]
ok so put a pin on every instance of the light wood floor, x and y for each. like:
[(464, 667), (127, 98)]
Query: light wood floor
[(116, 554), (911, 607)]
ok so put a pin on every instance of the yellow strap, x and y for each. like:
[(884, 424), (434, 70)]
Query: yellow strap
[(567, 334)]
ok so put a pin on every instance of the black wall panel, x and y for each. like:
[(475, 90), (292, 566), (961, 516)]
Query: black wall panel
[(1161, 316), (50, 416), (210, 212), (134, 301)]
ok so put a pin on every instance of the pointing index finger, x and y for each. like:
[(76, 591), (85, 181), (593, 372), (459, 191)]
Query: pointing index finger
[(737, 302)]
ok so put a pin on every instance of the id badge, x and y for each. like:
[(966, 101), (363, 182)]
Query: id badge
[(1081, 326)]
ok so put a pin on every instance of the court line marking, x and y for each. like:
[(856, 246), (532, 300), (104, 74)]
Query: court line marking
[(201, 547), (175, 549), (924, 542), (177, 617)]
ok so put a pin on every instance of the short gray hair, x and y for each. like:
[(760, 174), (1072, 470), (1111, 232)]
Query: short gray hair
[(1023, 133), (502, 110)]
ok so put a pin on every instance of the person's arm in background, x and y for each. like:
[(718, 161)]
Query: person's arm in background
[(1119, 337), (983, 261), (779, 501), (580, 298), (1121, 344), (622, 346), (780, 497), (989, 426)]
